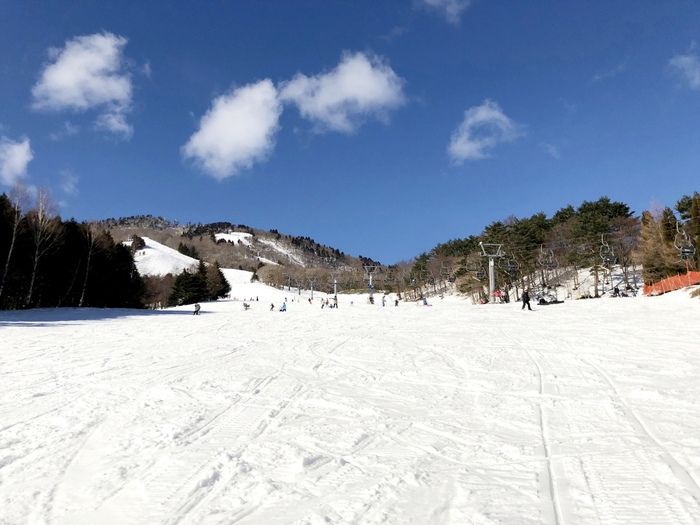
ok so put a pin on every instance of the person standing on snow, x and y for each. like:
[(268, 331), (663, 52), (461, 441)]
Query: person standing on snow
[(197, 308), (526, 300)]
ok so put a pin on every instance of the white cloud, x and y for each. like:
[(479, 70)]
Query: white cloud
[(610, 73), (551, 149), (14, 158), (452, 9), (360, 86), (395, 33), (67, 130), (88, 73), (237, 131), (146, 69), (483, 127), (689, 66), (69, 182)]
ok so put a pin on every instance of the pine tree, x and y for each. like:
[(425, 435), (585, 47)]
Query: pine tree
[(217, 285)]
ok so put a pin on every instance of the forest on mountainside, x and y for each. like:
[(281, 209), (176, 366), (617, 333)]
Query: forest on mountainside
[(595, 235)]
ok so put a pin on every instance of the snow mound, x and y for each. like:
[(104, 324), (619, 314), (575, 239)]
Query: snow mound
[(158, 259)]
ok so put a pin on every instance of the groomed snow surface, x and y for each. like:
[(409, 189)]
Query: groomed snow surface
[(579, 413)]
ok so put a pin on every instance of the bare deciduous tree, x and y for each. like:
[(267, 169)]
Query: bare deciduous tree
[(44, 233), (91, 246), (18, 197)]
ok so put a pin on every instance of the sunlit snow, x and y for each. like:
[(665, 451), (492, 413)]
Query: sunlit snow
[(584, 412), (158, 259)]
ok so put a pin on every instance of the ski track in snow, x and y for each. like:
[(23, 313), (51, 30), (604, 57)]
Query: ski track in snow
[(580, 413)]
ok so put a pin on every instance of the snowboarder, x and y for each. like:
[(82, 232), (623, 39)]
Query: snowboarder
[(396, 302), (526, 300), (197, 308), (272, 306), (284, 307)]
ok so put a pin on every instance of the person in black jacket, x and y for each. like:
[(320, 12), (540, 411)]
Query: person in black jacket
[(526, 300)]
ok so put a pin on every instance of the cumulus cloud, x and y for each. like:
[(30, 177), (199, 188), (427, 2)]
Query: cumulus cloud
[(689, 66), (483, 127), (237, 131), (14, 158), (87, 73), (360, 86), (451, 9)]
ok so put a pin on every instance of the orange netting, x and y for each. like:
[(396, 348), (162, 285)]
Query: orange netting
[(672, 283)]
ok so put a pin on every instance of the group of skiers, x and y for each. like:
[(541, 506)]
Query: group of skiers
[(525, 298)]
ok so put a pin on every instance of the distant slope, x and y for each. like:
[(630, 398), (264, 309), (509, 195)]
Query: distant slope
[(158, 259)]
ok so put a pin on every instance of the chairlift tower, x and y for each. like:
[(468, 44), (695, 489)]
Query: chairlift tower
[(335, 274), (312, 282), (492, 251), (369, 271)]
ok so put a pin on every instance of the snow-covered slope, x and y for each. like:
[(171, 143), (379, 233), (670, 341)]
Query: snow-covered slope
[(234, 237), (582, 413), (158, 259)]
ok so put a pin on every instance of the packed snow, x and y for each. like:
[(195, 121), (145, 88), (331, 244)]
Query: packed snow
[(580, 413), (158, 259)]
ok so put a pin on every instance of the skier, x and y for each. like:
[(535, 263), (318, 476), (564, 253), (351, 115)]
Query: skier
[(197, 308), (272, 307), (396, 302), (526, 300), (383, 300)]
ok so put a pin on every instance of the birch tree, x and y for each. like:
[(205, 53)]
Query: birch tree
[(18, 197), (44, 233)]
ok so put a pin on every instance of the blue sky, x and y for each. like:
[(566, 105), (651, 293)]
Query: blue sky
[(380, 128)]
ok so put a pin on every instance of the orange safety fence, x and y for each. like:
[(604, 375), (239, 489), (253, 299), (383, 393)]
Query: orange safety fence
[(672, 283)]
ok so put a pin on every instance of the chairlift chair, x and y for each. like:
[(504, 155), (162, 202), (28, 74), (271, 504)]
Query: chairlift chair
[(687, 252), (547, 259), (683, 244), (607, 253)]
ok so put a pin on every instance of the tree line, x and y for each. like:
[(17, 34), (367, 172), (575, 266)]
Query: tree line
[(596, 235), (49, 262)]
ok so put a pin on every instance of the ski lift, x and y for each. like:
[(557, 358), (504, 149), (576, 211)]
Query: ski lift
[(683, 244), (510, 266), (607, 253), (445, 270), (547, 259)]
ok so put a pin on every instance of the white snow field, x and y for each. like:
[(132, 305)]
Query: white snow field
[(581, 413), (158, 259)]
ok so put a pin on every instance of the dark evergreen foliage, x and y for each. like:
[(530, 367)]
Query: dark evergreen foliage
[(188, 250), (206, 284), (63, 275)]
